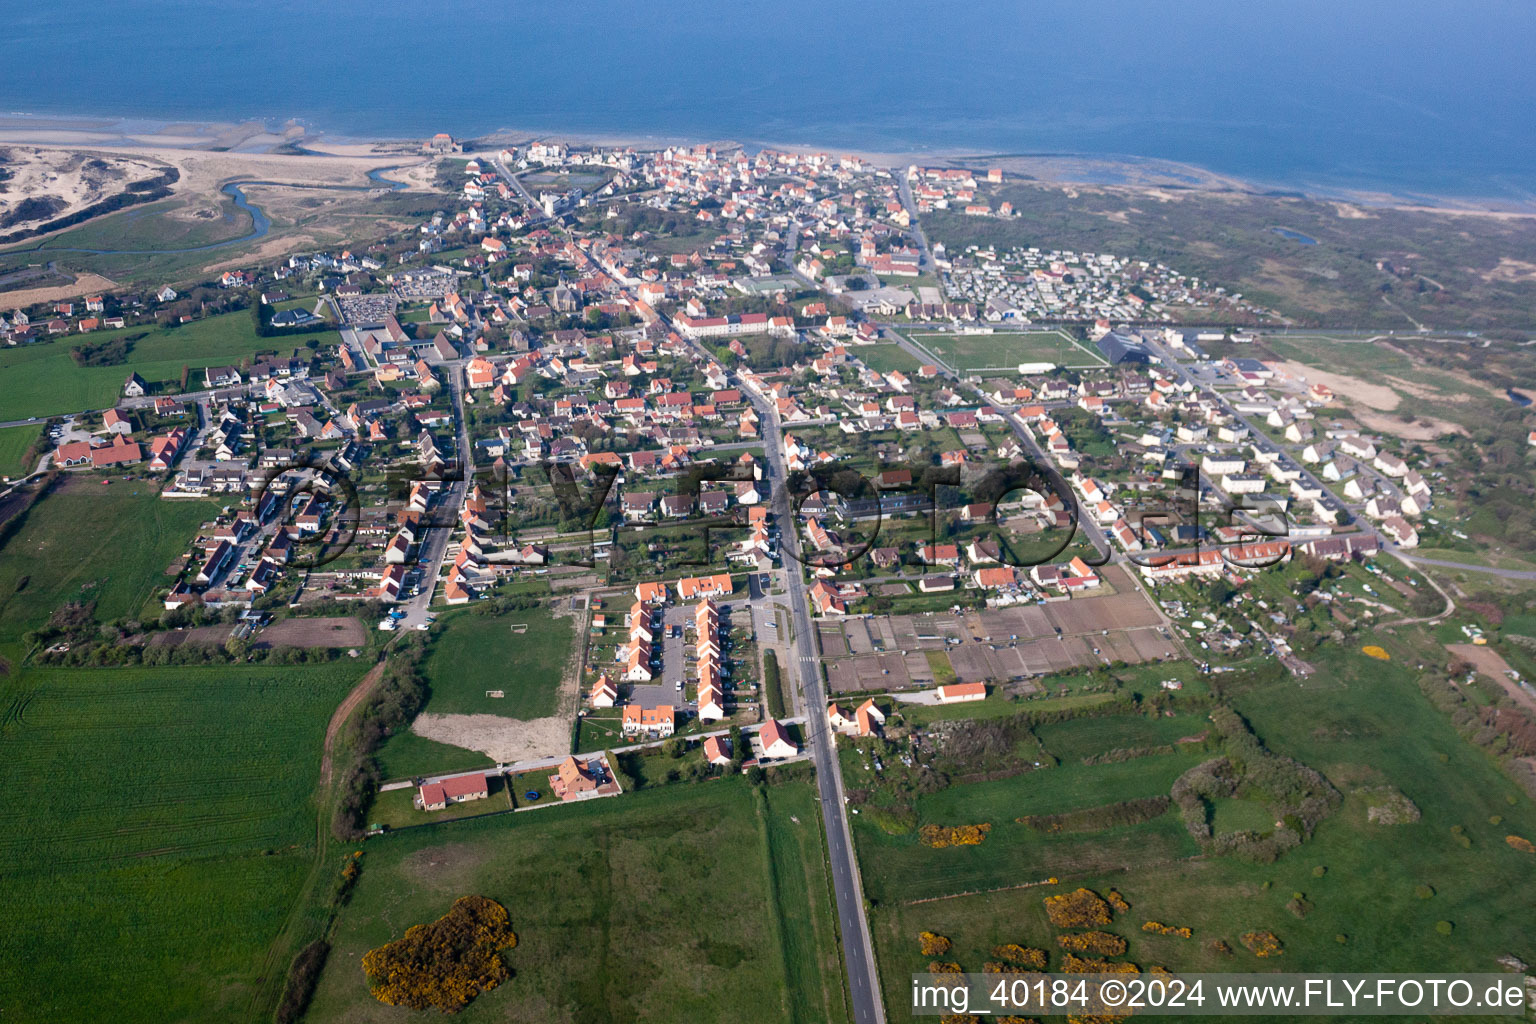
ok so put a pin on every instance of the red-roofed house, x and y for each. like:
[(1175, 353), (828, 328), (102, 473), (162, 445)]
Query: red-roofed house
[(435, 796), (955, 693), (776, 742)]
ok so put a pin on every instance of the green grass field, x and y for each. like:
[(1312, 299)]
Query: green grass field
[(898, 868), (658, 905), (14, 442), (886, 358), (155, 226), (161, 827), (1362, 723), (1008, 350), (42, 379), (477, 653), (1078, 738), (86, 542), (406, 755)]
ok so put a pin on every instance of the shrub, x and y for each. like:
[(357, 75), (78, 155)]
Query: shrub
[(1117, 901), (447, 963), (1157, 928), (1079, 965), (302, 978), (1424, 892), (1444, 927), (934, 945), (1024, 956), (1520, 843), (1098, 943), (1263, 944), (940, 837), (942, 967), (1081, 908)]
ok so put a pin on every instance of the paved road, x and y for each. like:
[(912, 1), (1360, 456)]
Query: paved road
[(1412, 559), (434, 549), (805, 669), (848, 891)]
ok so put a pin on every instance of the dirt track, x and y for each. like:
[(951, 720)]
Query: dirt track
[(344, 711), (1491, 664)]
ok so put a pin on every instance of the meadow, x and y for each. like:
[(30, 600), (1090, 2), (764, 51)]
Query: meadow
[(702, 902), (476, 653), (14, 442), (1008, 350), (43, 379), (899, 867), (163, 826), (406, 755), (86, 542), (1371, 894), (1077, 738)]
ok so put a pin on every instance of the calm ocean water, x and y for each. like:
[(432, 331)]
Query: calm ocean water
[(1412, 96)]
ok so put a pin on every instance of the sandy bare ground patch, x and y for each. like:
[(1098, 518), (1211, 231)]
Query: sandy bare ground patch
[(1492, 664), (498, 737), (337, 631), (1511, 270), (1377, 396), (1349, 211), (1423, 428), (85, 284)]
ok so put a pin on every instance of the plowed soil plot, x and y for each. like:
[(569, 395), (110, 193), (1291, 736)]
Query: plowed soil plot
[(876, 672), (340, 631), (833, 644), (1119, 611)]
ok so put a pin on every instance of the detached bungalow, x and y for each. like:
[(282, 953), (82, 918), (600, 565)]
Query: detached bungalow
[(435, 796)]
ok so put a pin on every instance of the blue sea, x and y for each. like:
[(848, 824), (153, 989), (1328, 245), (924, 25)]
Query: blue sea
[(1415, 97)]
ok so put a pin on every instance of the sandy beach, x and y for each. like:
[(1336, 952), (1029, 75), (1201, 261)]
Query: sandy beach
[(214, 153)]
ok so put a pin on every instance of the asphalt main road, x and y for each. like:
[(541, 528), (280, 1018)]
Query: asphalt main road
[(805, 668), (848, 890)]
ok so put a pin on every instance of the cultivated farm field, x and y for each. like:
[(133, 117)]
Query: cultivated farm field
[(162, 827)]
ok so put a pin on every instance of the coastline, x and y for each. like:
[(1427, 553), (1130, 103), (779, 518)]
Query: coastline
[(253, 138)]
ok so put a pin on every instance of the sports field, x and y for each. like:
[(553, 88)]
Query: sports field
[(700, 902), (522, 655), (1008, 350), (885, 358), (161, 826)]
